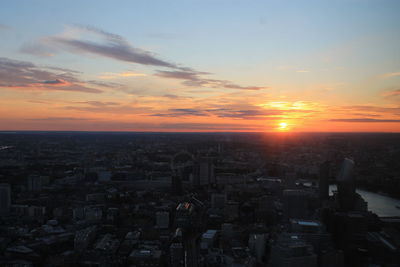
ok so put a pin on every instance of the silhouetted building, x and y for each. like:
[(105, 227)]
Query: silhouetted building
[(290, 251), (176, 254), (257, 246), (162, 219), (184, 214), (204, 172), (296, 203), (145, 257), (34, 183), (346, 185), (324, 172), (176, 183), (5, 198), (218, 201), (84, 237)]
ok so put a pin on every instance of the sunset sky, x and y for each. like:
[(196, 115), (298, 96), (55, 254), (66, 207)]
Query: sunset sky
[(200, 65)]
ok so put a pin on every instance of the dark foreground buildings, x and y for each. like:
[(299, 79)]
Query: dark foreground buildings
[(103, 199)]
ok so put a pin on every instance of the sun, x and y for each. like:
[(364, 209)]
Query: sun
[(283, 126)]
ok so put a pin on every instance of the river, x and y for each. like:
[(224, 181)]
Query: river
[(380, 204)]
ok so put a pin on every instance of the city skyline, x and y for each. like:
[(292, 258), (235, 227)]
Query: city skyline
[(301, 66)]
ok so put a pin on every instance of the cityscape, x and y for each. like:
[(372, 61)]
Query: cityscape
[(199, 199), (200, 133)]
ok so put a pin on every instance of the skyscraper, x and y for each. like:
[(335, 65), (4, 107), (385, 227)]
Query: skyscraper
[(324, 171), (204, 172), (5, 198), (346, 185)]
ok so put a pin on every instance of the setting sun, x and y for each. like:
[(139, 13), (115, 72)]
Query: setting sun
[(283, 126)]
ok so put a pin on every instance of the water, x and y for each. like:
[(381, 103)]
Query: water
[(381, 205)]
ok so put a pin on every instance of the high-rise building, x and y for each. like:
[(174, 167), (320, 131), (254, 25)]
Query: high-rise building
[(324, 172), (5, 198), (204, 172), (346, 185), (296, 203)]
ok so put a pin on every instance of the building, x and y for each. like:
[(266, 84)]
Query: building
[(162, 219), (204, 172), (145, 258), (296, 203), (208, 239), (93, 214), (218, 201), (305, 226), (184, 214), (258, 245), (5, 198), (290, 251), (83, 238), (34, 183), (324, 173), (176, 183), (346, 185), (176, 254)]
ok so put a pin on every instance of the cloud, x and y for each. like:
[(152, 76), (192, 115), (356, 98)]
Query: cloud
[(171, 96), (58, 119), (111, 75), (102, 44), (364, 120), (109, 107), (38, 49), (25, 75), (374, 109), (392, 93), (100, 103), (105, 44), (251, 113), (194, 78), (4, 27), (390, 74), (181, 112), (211, 127), (66, 124)]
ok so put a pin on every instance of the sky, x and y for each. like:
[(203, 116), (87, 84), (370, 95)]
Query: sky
[(200, 65)]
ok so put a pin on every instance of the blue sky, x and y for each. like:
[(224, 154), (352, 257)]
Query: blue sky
[(332, 53)]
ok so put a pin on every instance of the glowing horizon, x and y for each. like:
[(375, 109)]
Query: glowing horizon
[(232, 67)]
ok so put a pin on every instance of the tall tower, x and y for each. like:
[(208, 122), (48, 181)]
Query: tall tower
[(5, 198), (346, 185), (324, 171)]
